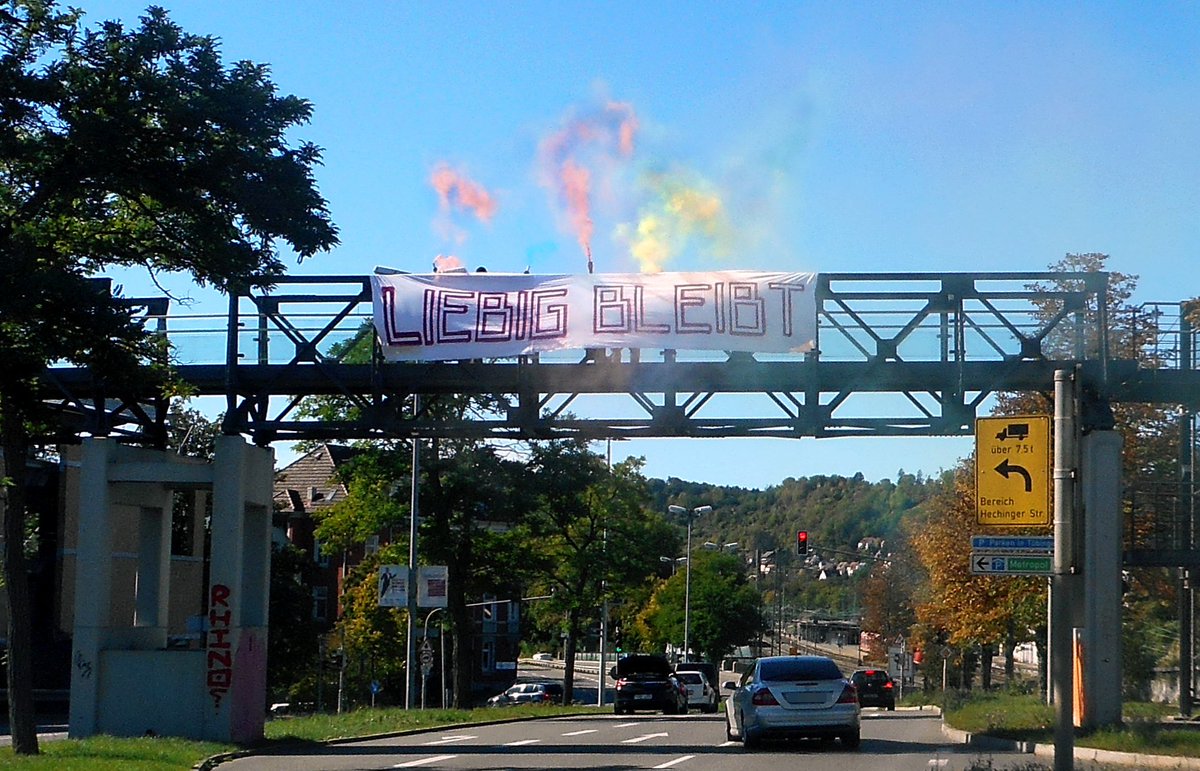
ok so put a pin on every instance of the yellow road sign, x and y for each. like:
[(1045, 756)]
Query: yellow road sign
[(1012, 471)]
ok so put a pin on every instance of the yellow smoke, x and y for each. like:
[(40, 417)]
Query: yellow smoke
[(680, 214)]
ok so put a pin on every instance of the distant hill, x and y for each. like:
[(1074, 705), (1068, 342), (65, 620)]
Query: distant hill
[(838, 512)]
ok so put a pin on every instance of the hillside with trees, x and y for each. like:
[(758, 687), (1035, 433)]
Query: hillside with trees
[(838, 512)]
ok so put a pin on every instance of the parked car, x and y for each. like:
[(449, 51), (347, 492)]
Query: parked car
[(710, 671), (875, 688), (700, 693), (646, 682), (786, 697), (528, 693), (543, 657)]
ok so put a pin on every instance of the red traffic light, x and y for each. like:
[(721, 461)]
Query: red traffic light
[(802, 542)]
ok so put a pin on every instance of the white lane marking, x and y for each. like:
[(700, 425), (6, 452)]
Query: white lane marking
[(581, 733), (625, 725), (424, 761), (522, 742), (643, 738), (728, 744), (670, 763), (450, 739), (939, 763)]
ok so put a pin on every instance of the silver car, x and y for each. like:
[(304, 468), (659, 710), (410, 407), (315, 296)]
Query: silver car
[(786, 697)]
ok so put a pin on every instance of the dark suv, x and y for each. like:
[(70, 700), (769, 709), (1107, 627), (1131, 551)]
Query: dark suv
[(647, 682), (875, 688)]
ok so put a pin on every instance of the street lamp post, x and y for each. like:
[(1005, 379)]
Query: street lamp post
[(687, 581)]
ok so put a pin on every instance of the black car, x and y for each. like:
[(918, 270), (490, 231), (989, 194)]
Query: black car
[(875, 688), (648, 682)]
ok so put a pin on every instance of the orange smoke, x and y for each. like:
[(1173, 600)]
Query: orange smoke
[(445, 263), (627, 126), (576, 183), (458, 191), (569, 156)]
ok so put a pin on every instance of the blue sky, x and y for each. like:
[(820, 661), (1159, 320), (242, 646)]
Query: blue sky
[(848, 137)]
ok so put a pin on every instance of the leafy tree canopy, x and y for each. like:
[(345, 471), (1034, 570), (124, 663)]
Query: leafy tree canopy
[(124, 147)]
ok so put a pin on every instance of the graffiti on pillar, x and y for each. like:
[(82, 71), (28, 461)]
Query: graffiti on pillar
[(83, 665), (220, 650)]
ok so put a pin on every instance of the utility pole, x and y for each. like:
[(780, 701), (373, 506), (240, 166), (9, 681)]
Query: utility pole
[(410, 649), (1061, 584)]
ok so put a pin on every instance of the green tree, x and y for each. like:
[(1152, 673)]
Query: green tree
[(470, 493), (293, 640), (589, 535), (123, 147), (725, 610)]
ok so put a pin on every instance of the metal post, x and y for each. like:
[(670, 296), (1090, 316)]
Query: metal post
[(410, 649), (1061, 637), (1186, 499), (341, 694), (687, 586), (600, 674)]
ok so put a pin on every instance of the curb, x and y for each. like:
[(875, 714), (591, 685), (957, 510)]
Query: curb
[(1137, 760), (213, 761)]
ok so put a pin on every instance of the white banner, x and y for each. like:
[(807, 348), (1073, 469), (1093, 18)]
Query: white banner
[(446, 316), (433, 582)]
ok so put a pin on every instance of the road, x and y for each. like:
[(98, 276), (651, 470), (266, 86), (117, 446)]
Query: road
[(894, 740)]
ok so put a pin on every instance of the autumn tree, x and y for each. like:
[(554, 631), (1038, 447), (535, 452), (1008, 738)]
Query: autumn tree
[(891, 592), (970, 608), (973, 612), (123, 147), (1150, 435)]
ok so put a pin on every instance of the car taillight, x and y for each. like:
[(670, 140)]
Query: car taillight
[(622, 683), (849, 695), (887, 686), (764, 698)]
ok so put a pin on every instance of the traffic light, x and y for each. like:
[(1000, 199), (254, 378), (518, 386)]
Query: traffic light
[(617, 640), (802, 542)]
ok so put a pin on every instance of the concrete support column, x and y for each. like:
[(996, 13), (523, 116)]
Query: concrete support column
[(239, 581), (1100, 471), (93, 586), (152, 593)]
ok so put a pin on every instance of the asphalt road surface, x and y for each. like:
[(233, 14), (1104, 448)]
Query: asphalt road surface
[(891, 740)]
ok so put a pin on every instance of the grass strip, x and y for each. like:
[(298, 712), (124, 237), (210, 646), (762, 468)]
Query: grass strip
[(109, 753), (1027, 718)]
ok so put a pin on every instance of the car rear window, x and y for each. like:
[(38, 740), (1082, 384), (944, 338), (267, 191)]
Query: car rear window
[(875, 676), (643, 666), (799, 669), (689, 677)]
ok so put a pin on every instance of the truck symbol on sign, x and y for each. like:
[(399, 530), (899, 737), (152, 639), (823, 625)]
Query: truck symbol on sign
[(1018, 431)]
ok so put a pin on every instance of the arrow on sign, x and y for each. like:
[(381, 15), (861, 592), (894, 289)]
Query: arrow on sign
[(982, 563), (1006, 468)]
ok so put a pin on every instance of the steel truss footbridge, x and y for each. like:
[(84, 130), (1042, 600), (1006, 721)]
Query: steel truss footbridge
[(899, 354)]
